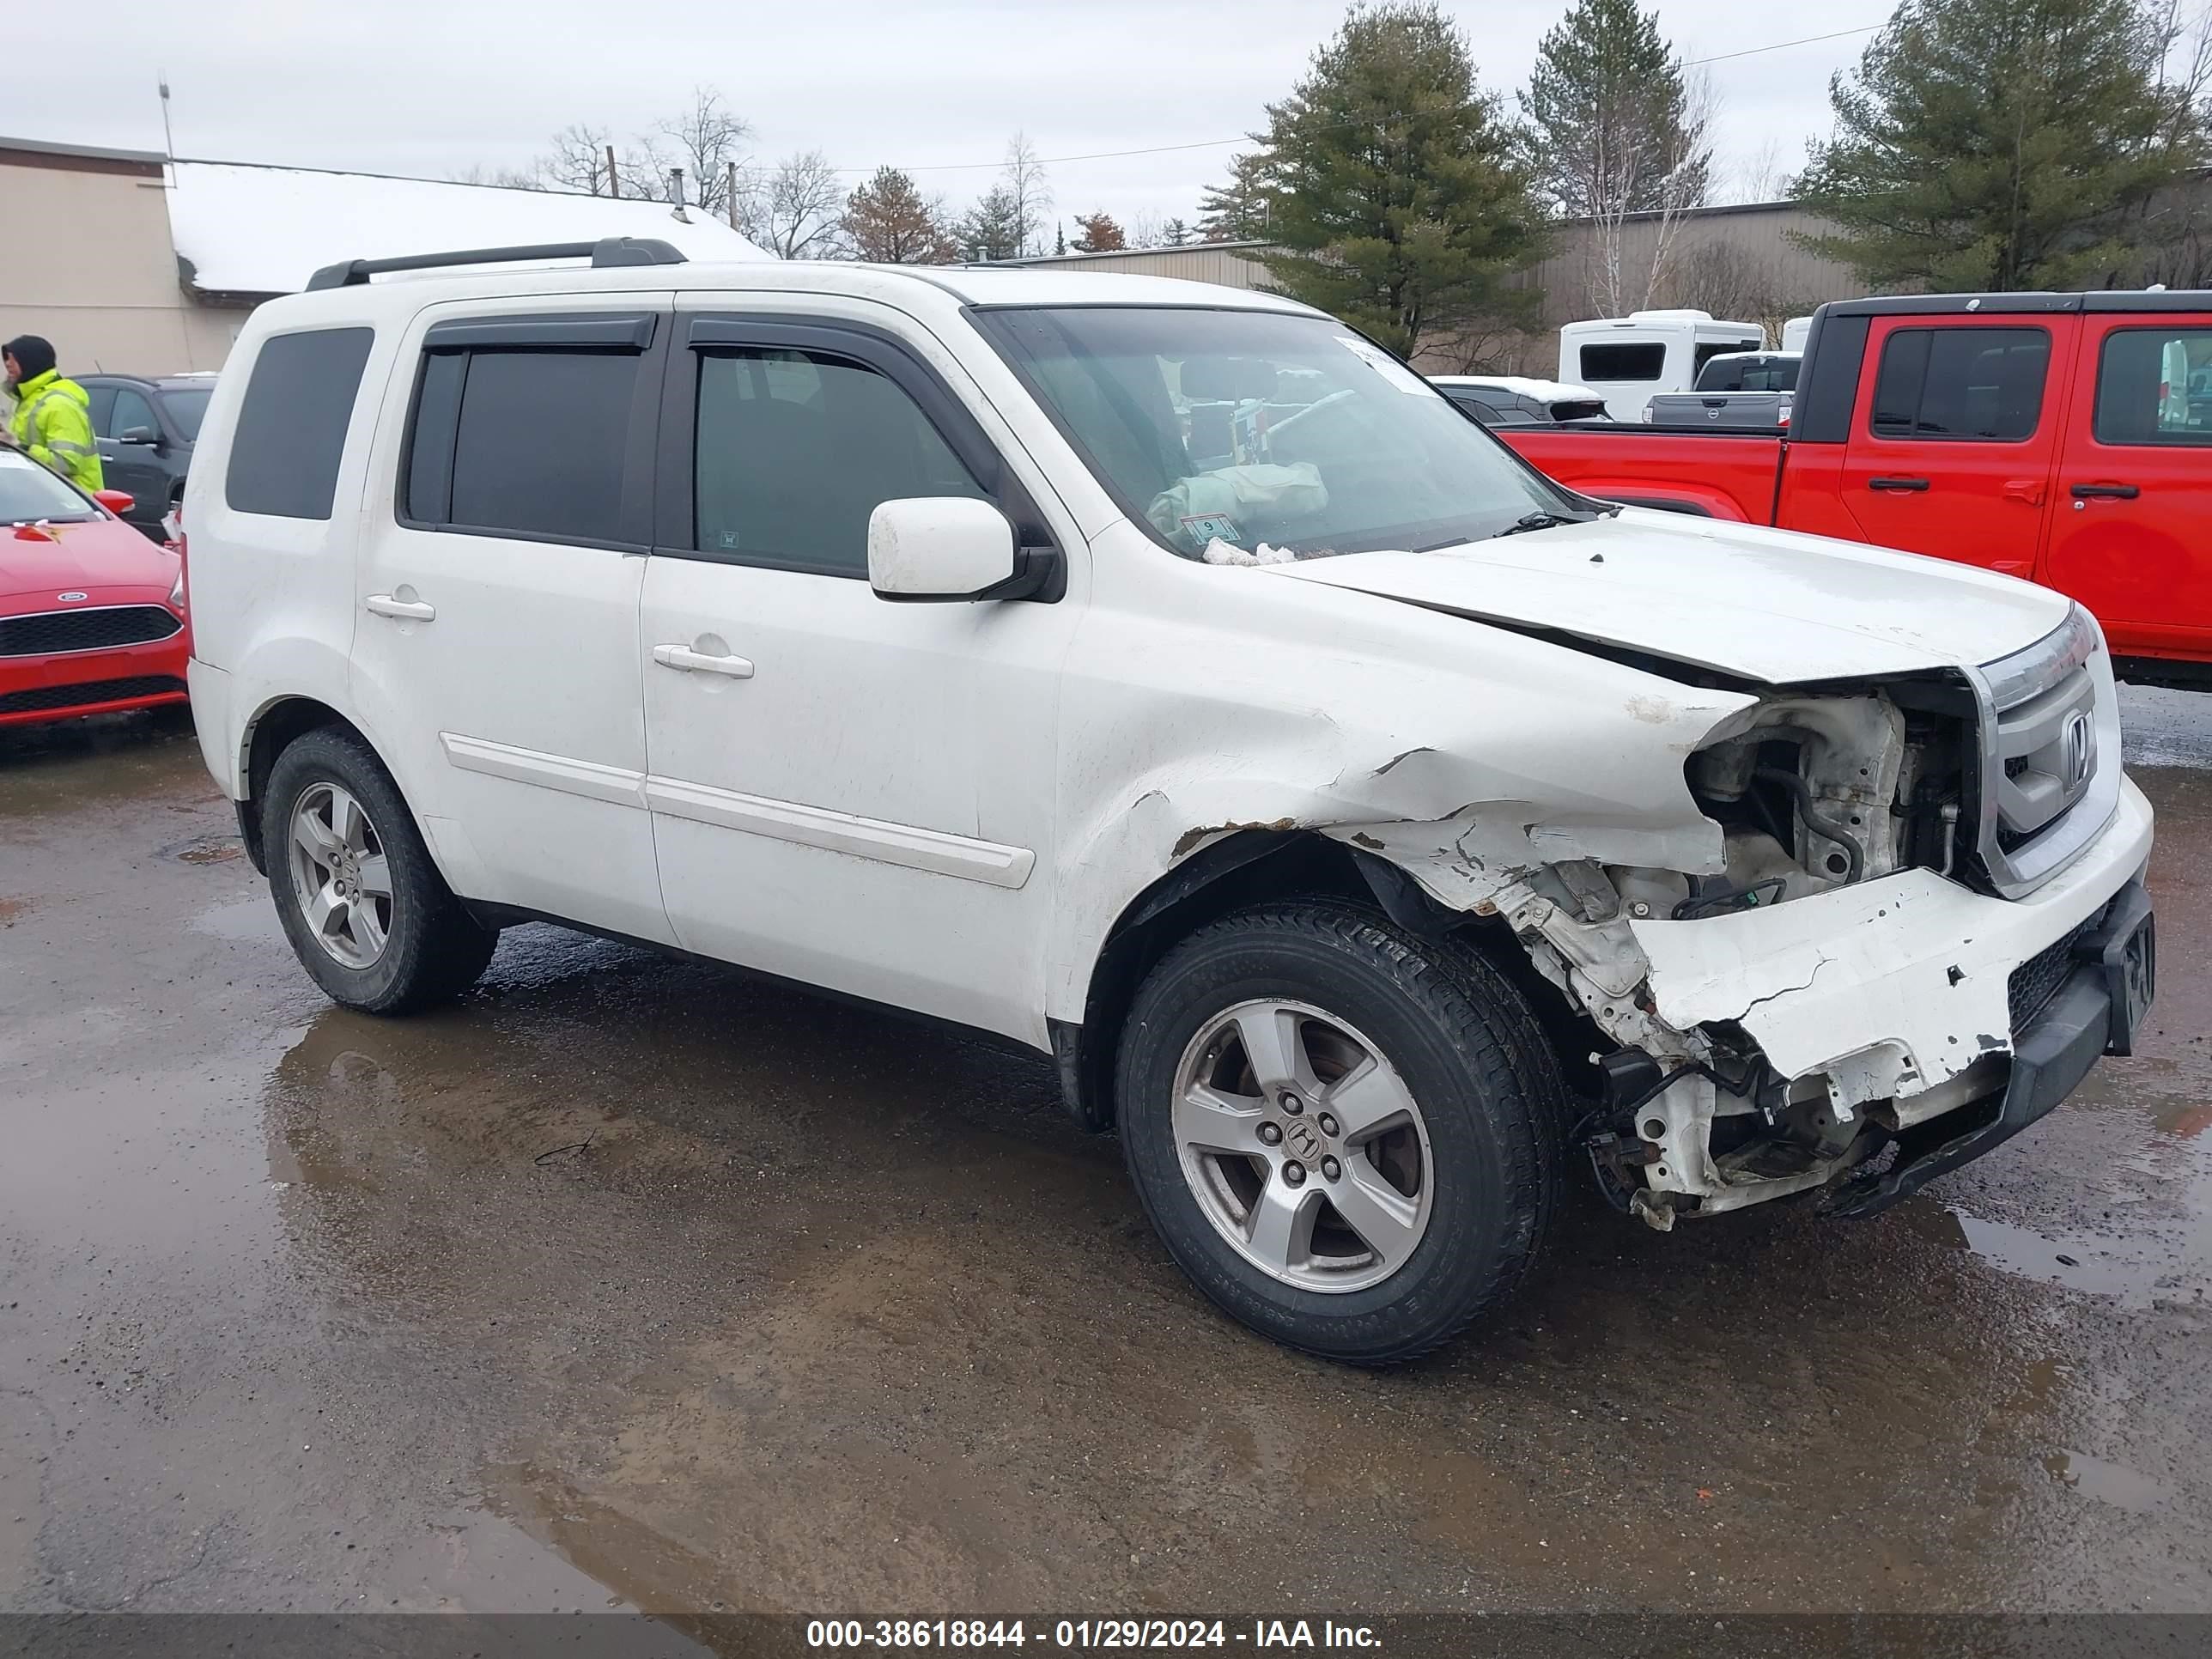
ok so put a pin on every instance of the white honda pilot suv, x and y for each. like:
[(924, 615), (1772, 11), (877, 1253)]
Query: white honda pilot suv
[(1166, 679)]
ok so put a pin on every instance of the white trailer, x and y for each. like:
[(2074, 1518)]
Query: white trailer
[(1626, 360)]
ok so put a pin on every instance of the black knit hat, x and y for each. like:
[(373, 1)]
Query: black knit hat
[(35, 355)]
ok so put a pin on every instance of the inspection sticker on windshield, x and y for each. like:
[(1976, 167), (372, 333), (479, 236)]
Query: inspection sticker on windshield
[(1388, 367), (1203, 527)]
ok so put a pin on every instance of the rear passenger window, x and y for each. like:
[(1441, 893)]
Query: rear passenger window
[(291, 428), (523, 442), (795, 450), (1644, 361), (2154, 386), (1970, 384)]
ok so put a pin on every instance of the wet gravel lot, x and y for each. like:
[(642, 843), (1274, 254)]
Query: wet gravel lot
[(631, 1282)]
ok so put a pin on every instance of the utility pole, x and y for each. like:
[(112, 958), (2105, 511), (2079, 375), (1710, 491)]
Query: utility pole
[(733, 195), (168, 141), (614, 185)]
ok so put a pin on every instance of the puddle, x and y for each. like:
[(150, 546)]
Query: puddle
[(474, 1561), (203, 850), (2110, 1483), (250, 917)]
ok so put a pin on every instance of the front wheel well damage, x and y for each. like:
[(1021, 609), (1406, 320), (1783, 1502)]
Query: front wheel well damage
[(1259, 865)]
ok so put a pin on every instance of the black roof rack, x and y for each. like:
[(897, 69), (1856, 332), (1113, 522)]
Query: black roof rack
[(608, 251)]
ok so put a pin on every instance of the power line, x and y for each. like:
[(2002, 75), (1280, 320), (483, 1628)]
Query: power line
[(1753, 51), (1246, 137)]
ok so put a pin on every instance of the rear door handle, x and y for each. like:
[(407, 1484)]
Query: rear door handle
[(1916, 485), (2105, 492), (684, 659), (383, 604), (2024, 490)]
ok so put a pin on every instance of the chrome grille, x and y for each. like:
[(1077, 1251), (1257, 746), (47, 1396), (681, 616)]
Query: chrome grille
[(2048, 771), (101, 628)]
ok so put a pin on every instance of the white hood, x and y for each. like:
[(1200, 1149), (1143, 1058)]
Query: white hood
[(1765, 605)]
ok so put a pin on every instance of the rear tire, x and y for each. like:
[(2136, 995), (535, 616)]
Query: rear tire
[(368, 915), (1424, 1199)]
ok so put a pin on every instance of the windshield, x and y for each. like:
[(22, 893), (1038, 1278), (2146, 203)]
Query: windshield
[(1252, 427), (186, 409), (28, 493)]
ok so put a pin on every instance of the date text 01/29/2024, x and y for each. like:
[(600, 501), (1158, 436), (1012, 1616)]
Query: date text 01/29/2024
[(1084, 1633)]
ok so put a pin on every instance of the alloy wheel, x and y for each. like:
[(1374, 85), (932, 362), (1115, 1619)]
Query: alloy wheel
[(340, 875), (1303, 1145)]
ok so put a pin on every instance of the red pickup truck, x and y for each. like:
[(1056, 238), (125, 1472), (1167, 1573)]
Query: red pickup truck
[(2066, 437)]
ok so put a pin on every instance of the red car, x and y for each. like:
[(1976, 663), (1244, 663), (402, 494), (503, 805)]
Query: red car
[(92, 614)]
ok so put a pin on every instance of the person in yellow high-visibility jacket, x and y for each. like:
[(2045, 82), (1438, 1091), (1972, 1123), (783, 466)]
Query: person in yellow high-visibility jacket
[(52, 422)]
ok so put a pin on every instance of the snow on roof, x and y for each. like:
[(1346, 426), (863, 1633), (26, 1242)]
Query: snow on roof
[(250, 229)]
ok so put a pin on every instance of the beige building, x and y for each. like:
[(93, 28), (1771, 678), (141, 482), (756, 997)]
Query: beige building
[(87, 261)]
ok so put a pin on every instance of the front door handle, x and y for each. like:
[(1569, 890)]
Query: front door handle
[(684, 659), (383, 604), (2105, 492), (1916, 485)]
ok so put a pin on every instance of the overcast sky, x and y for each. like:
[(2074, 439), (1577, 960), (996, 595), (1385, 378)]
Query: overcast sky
[(431, 88)]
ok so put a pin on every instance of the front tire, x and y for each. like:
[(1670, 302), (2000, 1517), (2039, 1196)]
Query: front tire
[(367, 912), (1347, 1136)]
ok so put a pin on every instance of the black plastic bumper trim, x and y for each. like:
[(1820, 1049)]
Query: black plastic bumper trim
[(2050, 1058)]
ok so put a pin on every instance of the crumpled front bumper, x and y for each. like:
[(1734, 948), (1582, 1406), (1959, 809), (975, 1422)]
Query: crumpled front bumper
[(2093, 1013), (1890, 988)]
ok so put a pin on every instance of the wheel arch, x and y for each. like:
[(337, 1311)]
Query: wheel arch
[(1253, 867), (280, 722)]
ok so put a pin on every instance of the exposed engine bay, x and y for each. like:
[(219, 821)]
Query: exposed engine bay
[(1892, 903)]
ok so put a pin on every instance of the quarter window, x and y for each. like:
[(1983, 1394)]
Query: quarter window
[(291, 428), (2154, 386), (796, 449), (1971, 384)]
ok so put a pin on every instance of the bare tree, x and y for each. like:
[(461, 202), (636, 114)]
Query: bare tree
[(1688, 161), (1144, 230), (1030, 191), (708, 141), (1762, 176), (1729, 281), (797, 210), (577, 161)]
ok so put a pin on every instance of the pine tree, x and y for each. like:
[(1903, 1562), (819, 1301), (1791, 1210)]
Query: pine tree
[(1173, 233), (992, 228), (1395, 188), (1236, 211), (892, 223), (2002, 144), (1614, 124)]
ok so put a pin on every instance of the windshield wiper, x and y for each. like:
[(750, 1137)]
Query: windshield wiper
[(1538, 520)]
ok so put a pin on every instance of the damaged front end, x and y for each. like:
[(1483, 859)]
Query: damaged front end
[(1889, 889)]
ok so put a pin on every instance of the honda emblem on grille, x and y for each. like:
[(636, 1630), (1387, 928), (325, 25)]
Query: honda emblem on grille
[(71, 596), (2081, 748)]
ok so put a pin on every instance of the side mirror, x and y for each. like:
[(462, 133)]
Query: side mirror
[(949, 548), (118, 501), (139, 434)]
